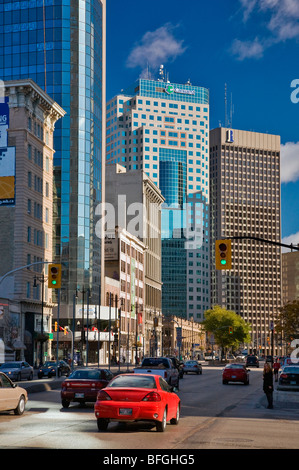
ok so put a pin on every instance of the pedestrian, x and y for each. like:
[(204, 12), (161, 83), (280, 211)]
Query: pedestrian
[(276, 367), (268, 384)]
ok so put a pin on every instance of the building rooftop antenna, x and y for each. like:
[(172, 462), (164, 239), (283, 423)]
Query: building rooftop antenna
[(161, 73)]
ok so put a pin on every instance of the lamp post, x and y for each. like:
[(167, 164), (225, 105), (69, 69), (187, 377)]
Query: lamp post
[(42, 281)]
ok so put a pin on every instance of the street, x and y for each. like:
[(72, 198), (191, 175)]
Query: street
[(213, 416)]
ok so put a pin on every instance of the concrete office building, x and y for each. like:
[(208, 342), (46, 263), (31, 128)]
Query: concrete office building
[(290, 276), (137, 203), (61, 46), (28, 118), (245, 201), (162, 128)]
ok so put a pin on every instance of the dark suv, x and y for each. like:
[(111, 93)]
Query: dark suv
[(252, 361)]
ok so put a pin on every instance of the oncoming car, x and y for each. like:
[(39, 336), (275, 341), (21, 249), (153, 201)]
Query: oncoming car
[(137, 397), (12, 397), (235, 373)]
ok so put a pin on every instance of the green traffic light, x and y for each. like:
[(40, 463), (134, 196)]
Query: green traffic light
[(54, 282), (223, 261)]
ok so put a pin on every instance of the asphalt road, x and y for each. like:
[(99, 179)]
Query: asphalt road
[(213, 416)]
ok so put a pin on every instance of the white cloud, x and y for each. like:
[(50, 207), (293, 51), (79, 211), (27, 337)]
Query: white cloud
[(289, 162), (290, 239), (247, 49), (281, 19), (156, 48)]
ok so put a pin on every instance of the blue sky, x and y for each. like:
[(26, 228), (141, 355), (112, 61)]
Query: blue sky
[(250, 45)]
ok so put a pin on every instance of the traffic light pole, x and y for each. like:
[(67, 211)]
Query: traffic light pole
[(291, 246)]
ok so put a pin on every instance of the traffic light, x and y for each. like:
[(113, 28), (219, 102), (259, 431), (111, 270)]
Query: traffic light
[(54, 276), (223, 253), (230, 330), (56, 326)]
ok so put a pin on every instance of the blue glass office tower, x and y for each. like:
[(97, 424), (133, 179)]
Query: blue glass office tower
[(60, 44), (163, 129)]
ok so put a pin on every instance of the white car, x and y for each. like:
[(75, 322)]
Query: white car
[(12, 397)]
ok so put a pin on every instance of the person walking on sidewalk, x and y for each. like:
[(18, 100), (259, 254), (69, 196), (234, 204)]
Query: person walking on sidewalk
[(276, 367), (268, 384)]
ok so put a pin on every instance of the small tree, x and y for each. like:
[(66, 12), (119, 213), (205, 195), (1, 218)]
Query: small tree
[(228, 328), (288, 319)]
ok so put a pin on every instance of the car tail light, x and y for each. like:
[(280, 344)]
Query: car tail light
[(165, 375), (152, 396), (283, 376), (103, 396)]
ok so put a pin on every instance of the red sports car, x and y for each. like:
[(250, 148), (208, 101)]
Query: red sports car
[(235, 373), (137, 397), (83, 385)]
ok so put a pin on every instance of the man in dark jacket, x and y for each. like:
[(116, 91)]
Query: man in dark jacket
[(268, 384)]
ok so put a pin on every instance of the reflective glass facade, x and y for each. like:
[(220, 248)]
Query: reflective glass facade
[(58, 44), (163, 129)]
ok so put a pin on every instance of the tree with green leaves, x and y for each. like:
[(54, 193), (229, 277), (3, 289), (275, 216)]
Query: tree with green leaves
[(228, 328), (288, 319)]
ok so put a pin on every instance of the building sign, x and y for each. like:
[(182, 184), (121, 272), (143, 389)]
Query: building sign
[(111, 247), (7, 159), (172, 89), (230, 136)]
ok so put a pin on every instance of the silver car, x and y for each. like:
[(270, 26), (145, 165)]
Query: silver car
[(193, 367), (17, 370)]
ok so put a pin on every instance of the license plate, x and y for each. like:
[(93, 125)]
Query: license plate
[(79, 395), (125, 411), (293, 382), (234, 376)]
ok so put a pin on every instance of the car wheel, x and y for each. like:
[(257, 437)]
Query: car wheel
[(247, 382), (200, 372), (21, 406), (102, 424), (161, 425), (19, 378), (65, 403), (30, 376), (177, 418), (39, 376), (225, 382)]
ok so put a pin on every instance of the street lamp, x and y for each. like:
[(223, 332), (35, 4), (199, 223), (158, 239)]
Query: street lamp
[(42, 281)]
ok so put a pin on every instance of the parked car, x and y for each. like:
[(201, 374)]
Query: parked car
[(192, 367), (83, 385), (289, 378), (49, 369), (235, 373), (252, 361), (17, 370), (12, 397), (137, 397)]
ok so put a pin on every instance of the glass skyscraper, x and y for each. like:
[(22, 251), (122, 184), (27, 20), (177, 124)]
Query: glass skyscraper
[(163, 129), (60, 44)]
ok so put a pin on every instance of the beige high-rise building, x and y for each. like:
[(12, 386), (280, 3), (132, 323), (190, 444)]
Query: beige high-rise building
[(290, 277), (245, 201), (28, 117)]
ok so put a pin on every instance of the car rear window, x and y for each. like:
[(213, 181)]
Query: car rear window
[(291, 370), (86, 374), (136, 381), (155, 362), (235, 366)]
